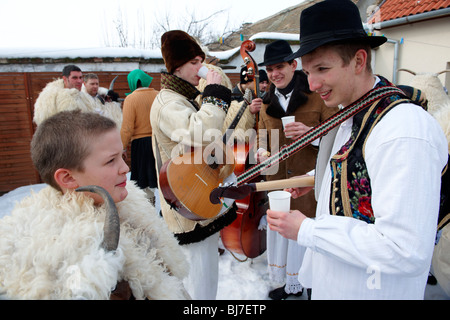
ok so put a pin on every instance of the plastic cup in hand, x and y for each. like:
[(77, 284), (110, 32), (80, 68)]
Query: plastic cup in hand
[(287, 120), (279, 201), (203, 72)]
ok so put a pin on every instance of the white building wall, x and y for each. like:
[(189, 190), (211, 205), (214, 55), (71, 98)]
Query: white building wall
[(425, 48)]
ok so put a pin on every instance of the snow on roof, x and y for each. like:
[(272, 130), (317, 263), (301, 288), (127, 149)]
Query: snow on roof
[(111, 52), (56, 53), (275, 36)]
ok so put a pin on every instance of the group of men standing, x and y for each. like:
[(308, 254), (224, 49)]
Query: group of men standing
[(356, 221)]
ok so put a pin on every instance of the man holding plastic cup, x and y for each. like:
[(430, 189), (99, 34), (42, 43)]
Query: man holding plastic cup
[(288, 96), (378, 173)]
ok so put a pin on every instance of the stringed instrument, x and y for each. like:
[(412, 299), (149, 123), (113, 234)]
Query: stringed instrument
[(242, 235), (252, 68), (187, 180), (243, 190)]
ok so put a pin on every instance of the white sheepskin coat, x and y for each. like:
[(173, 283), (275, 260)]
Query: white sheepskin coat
[(55, 98), (438, 99), (50, 249)]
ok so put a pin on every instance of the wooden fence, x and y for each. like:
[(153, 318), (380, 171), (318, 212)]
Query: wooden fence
[(18, 93)]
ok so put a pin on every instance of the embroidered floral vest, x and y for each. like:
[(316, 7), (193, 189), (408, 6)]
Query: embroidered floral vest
[(350, 188)]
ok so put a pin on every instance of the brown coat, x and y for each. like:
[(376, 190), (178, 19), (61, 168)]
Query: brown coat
[(307, 108)]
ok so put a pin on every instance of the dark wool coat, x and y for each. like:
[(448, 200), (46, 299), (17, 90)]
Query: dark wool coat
[(308, 108)]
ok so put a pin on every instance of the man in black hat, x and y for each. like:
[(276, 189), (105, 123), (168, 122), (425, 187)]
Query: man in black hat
[(263, 81), (288, 95), (244, 83), (378, 172)]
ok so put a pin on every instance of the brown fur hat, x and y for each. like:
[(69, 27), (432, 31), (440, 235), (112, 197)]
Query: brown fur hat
[(177, 48)]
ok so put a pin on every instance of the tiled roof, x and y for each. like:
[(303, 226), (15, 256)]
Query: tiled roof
[(394, 9)]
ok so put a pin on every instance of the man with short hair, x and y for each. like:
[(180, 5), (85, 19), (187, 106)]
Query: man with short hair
[(73, 77), (66, 94), (92, 85)]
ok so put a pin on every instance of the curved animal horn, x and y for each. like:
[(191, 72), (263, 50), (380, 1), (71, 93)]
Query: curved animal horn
[(111, 85), (407, 70), (443, 71), (111, 229)]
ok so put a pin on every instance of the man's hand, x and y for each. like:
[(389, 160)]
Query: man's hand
[(262, 155), (255, 106), (295, 129), (298, 192), (285, 223)]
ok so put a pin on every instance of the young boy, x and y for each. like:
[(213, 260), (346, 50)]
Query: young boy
[(51, 245), (378, 174)]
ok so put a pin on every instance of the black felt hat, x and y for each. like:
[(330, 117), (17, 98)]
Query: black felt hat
[(332, 21), (276, 52)]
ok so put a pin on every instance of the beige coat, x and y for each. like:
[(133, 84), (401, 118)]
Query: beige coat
[(178, 125)]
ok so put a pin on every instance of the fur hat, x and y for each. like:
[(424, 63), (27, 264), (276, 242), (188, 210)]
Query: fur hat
[(177, 48)]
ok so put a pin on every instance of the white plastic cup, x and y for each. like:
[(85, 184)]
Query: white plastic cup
[(287, 120), (279, 201), (203, 72)]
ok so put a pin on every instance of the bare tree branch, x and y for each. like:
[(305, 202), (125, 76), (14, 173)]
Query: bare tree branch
[(148, 36)]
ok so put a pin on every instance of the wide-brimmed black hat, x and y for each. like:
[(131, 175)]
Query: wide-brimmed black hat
[(276, 52), (332, 21)]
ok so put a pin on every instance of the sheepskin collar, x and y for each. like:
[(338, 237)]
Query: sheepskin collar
[(172, 82), (61, 235), (298, 97)]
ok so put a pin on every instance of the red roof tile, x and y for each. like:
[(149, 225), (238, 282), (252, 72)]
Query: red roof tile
[(394, 9)]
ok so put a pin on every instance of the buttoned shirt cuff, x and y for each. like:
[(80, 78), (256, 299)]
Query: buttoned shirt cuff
[(306, 233)]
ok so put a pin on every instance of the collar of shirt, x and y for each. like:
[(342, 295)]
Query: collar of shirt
[(284, 100)]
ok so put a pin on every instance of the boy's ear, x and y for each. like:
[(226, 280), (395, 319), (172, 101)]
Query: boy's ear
[(294, 64), (64, 179), (361, 59)]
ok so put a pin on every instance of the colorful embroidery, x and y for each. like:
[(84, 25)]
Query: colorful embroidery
[(318, 131), (360, 199), (218, 102), (351, 192)]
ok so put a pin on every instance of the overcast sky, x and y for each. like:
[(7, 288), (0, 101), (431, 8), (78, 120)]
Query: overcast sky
[(84, 23)]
